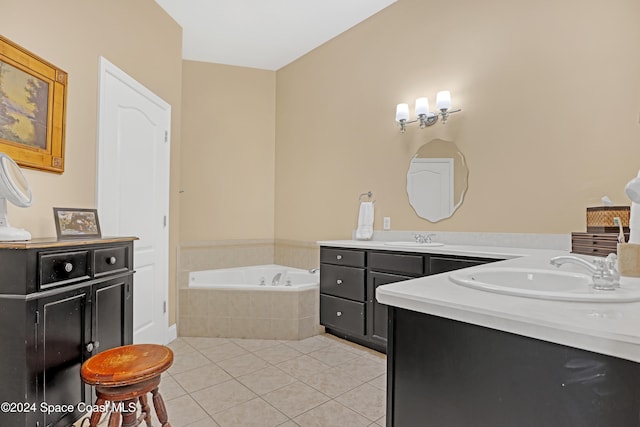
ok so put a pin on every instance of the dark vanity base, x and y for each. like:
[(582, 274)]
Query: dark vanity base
[(448, 373)]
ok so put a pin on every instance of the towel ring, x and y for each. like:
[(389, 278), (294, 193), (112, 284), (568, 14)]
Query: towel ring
[(368, 194)]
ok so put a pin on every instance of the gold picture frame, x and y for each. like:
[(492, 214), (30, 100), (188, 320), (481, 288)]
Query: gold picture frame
[(33, 96)]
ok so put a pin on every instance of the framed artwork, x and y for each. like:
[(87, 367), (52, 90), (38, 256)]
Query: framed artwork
[(32, 109), (72, 223)]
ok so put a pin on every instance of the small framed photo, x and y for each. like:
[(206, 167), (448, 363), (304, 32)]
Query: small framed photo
[(73, 223)]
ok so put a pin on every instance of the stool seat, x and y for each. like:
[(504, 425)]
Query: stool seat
[(122, 377), (129, 364)]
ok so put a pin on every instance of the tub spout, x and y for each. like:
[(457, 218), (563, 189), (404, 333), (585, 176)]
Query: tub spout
[(314, 270), (276, 279)]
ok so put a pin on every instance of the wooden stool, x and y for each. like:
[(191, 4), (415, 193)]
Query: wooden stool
[(122, 377)]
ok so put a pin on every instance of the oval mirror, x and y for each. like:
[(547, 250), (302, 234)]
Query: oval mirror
[(437, 180)]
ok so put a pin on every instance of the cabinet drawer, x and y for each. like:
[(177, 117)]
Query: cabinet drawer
[(401, 263), (595, 244), (342, 314), (62, 267), (345, 282), (109, 260), (342, 257), (593, 250), (444, 264)]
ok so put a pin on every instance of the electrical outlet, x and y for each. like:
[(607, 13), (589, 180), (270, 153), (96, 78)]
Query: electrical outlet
[(386, 223)]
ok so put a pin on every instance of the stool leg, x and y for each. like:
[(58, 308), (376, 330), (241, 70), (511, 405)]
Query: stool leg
[(144, 405), (95, 416), (161, 411), (114, 419), (130, 413)]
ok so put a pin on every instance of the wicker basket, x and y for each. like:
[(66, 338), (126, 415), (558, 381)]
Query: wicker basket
[(600, 219)]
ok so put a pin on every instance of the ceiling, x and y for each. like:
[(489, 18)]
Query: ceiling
[(266, 34)]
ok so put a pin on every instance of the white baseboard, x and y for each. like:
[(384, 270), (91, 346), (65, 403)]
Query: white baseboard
[(172, 333)]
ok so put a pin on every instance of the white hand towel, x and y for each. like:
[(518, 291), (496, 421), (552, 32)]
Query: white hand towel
[(365, 221)]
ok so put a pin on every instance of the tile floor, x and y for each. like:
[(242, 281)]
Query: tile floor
[(319, 381)]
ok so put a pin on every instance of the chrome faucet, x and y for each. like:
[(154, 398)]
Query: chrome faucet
[(276, 279), (423, 238), (314, 270), (604, 273)]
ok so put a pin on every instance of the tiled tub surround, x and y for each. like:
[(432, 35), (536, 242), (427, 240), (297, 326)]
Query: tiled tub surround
[(211, 255), (246, 314), (265, 313)]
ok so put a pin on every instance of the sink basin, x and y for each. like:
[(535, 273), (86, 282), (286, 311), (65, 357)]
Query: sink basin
[(414, 244), (542, 284)]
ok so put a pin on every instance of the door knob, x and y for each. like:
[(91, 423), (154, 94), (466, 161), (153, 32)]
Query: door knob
[(92, 346), (111, 260), (338, 313), (338, 256), (339, 281), (68, 267)]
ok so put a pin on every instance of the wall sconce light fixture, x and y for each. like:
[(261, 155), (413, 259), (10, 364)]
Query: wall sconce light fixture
[(425, 117)]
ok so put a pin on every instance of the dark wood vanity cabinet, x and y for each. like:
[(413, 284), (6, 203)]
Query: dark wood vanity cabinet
[(60, 303), (377, 318), (443, 372), (342, 292), (348, 282)]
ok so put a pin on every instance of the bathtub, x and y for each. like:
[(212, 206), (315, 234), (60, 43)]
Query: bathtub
[(247, 302), (256, 278)]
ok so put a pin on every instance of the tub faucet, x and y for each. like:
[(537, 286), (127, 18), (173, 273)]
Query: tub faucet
[(276, 279), (314, 270), (604, 273)]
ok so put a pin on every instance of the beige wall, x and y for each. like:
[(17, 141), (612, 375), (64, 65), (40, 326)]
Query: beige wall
[(228, 152), (550, 93), (138, 37)]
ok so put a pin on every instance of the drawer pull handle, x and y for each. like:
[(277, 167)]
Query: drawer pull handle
[(92, 346), (338, 313), (339, 282), (68, 267), (111, 260), (338, 256)]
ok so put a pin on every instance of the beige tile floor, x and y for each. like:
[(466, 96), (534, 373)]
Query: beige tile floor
[(319, 381)]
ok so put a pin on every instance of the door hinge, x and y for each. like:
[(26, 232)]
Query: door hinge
[(164, 221), (166, 136), (37, 317), (164, 307)]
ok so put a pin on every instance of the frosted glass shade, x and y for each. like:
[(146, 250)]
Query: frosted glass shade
[(443, 100), (402, 112), (422, 106)]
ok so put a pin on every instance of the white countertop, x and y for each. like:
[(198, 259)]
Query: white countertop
[(607, 328)]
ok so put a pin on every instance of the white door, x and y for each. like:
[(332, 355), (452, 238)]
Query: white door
[(133, 190)]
